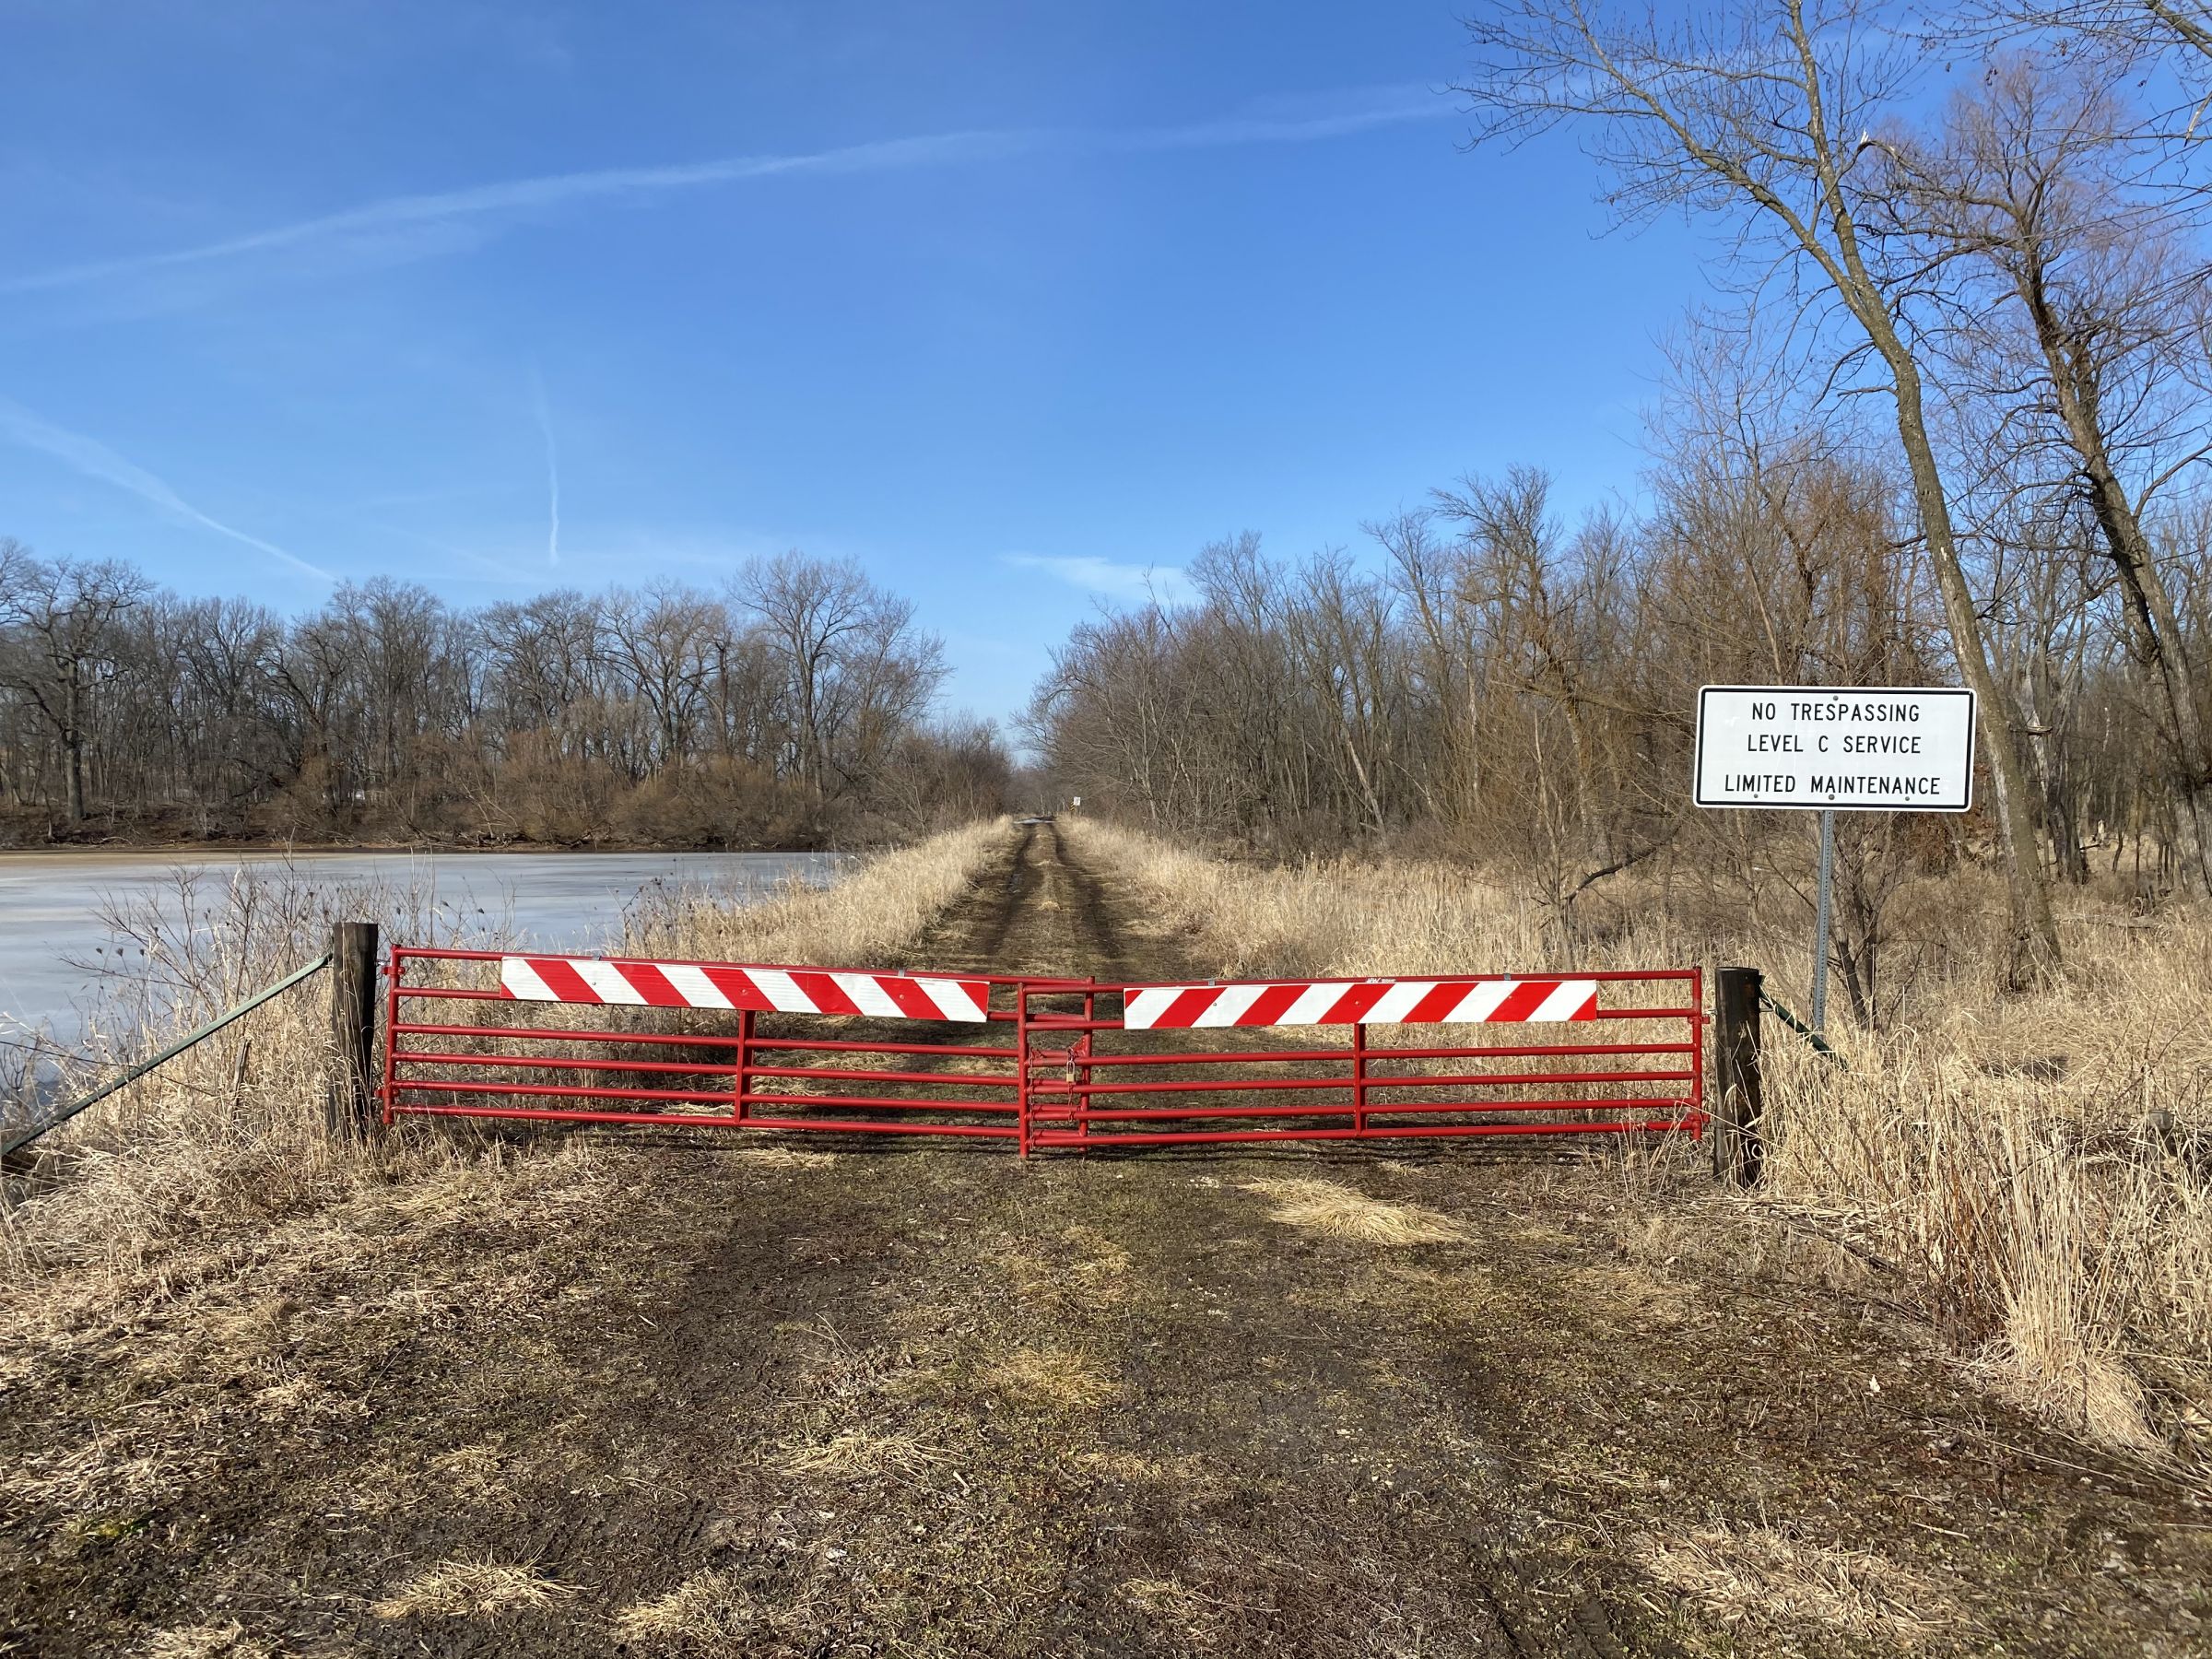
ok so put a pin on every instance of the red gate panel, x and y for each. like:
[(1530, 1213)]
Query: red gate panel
[(716, 1044), (1126, 1072)]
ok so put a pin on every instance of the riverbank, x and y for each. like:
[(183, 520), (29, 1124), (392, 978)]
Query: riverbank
[(40, 831)]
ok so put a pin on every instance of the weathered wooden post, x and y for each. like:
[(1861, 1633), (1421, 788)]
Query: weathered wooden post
[(1738, 1144), (350, 1106)]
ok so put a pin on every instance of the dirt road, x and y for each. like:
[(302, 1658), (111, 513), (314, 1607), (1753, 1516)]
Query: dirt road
[(663, 1394)]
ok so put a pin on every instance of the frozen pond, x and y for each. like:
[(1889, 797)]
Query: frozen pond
[(50, 904)]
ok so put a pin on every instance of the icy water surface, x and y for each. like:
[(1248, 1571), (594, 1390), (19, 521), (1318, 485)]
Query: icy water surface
[(50, 904)]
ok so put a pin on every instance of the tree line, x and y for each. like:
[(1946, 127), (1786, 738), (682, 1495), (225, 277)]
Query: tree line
[(790, 709), (1952, 427)]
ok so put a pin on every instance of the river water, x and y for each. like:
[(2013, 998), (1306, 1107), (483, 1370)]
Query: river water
[(52, 903)]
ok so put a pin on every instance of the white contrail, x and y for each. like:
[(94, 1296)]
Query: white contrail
[(396, 212), (1166, 583), (545, 425), (96, 460), (555, 190)]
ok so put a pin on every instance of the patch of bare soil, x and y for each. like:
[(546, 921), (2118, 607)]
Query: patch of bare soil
[(670, 1394)]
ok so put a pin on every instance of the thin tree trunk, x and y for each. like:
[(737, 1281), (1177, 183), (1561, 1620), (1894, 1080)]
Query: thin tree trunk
[(2031, 941), (73, 744)]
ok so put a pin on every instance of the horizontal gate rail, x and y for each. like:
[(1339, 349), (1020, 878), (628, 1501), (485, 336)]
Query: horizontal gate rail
[(1501, 1051), (667, 1120)]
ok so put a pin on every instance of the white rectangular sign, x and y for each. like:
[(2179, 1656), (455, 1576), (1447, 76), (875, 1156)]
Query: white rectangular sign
[(1854, 749)]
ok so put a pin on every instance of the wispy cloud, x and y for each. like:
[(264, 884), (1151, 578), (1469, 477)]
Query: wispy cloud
[(449, 551), (96, 460), (1164, 583), (403, 227), (545, 425)]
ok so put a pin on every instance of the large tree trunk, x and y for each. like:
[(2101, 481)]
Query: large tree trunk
[(2032, 935), (2151, 620), (2031, 951)]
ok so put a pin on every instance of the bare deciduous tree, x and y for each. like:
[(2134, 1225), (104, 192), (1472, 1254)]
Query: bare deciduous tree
[(2070, 315), (62, 615), (849, 653), (1760, 115), (671, 716)]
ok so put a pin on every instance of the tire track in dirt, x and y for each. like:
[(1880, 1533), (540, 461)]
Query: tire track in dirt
[(971, 937), (1071, 923), (1050, 914), (1133, 1489), (1047, 915)]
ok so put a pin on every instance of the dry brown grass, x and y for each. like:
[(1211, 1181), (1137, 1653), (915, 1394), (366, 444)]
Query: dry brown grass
[(783, 1157), (727, 1614), (1756, 1579), (710, 1612), (1984, 1159), (1326, 1207), (2030, 1215), (232, 1128), (871, 919), (471, 1589), (229, 1640), (858, 1451), (1050, 1379), (1082, 1269), (707, 1606), (1100, 1268)]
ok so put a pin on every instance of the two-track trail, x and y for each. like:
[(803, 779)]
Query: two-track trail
[(696, 1397)]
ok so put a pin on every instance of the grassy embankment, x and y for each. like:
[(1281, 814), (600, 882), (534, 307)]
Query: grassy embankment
[(1985, 1166)]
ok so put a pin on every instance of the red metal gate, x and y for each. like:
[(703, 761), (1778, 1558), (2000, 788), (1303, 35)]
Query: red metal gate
[(1043, 1063)]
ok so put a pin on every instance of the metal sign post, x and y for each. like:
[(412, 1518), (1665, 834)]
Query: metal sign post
[(1823, 901), (1831, 749)]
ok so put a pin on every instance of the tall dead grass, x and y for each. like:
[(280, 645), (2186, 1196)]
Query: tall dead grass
[(233, 1127), (231, 1133), (871, 919), (1988, 1156)]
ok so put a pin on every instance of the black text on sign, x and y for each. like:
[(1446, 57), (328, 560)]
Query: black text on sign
[(1872, 748)]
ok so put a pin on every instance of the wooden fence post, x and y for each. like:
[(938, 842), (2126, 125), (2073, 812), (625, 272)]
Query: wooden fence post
[(1738, 1144), (351, 1104)]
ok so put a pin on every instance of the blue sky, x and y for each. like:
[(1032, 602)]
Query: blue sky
[(1008, 302)]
